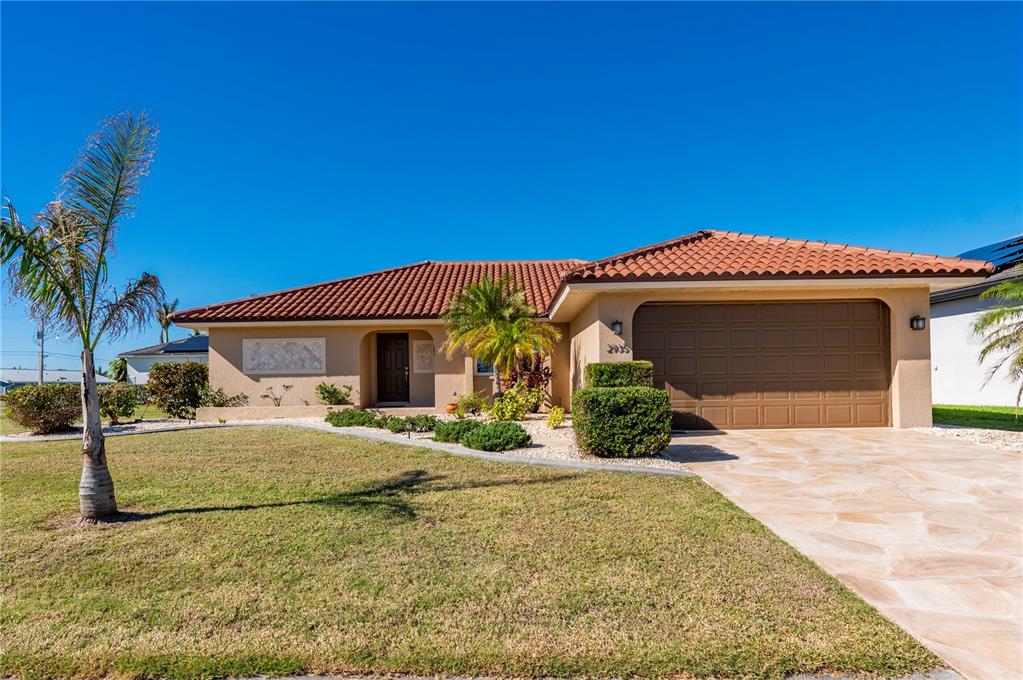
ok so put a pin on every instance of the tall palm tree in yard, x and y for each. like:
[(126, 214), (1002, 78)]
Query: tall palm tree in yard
[(59, 264), (1000, 328), (163, 312), (492, 322)]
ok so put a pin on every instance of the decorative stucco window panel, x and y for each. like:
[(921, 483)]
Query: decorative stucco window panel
[(284, 356), (423, 352)]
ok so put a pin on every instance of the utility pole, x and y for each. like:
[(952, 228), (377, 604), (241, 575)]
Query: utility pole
[(41, 335)]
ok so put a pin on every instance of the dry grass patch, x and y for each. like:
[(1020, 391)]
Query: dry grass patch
[(274, 550)]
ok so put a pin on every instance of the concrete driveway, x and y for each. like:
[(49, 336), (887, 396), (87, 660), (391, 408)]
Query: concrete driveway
[(928, 530)]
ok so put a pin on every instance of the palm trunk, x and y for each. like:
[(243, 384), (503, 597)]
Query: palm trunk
[(96, 489)]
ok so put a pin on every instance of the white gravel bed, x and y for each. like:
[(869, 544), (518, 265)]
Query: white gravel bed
[(996, 439), (125, 428)]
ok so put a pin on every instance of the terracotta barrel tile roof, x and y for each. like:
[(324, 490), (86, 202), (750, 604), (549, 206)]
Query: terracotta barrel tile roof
[(416, 291), (731, 255)]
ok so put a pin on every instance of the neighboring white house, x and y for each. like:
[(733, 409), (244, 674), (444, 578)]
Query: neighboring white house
[(958, 377), (16, 377), (195, 348)]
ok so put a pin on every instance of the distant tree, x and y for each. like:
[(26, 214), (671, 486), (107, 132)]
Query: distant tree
[(118, 370), (60, 265), (1000, 328), (163, 312)]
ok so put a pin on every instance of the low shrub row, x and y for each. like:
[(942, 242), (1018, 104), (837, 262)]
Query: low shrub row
[(43, 409), (500, 435), (356, 418)]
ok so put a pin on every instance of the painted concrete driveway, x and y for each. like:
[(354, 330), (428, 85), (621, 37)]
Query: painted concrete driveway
[(928, 530)]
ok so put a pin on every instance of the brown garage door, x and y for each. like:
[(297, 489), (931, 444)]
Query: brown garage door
[(769, 364)]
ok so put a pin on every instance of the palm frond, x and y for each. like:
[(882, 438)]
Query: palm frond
[(128, 309)]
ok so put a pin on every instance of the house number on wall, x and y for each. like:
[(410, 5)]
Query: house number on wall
[(618, 349)]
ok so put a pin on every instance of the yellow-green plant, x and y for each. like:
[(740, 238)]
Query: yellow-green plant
[(556, 417)]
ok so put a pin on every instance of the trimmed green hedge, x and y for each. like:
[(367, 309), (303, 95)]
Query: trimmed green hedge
[(621, 422), (351, 418), (620, 374), (497, 436), (453, 431)]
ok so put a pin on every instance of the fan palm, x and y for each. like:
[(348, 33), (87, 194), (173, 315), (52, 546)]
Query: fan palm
[(59, 265), (1000, 329), (492, 322), (163, 312)]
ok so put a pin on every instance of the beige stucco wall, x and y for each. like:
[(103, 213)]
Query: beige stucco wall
[(350, 360), (592, 338)]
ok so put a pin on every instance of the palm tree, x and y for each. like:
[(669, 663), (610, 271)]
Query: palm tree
[(1000, 328), (163, 312), (118, 370), (492, 322), (59, 264)]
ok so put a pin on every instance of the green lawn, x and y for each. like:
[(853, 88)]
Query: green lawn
[(276, 550), (992, 417)]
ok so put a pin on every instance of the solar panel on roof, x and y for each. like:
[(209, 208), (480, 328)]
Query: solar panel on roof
[(1003, 254), (194, 343)]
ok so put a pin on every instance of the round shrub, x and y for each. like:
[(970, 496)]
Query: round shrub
[(178, 388), (118, 400), (422, 423), (44, 408), (351, 418), (621, 422), (453, 431), (497, 436)]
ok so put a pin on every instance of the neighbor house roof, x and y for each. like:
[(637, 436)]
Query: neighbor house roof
[(1003, 254), (24, 376), (415, 291), (196, 344), (719, 255)]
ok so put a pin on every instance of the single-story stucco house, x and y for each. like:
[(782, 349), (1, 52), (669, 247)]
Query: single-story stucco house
[(139, 361), (958, 376), (744, 331)]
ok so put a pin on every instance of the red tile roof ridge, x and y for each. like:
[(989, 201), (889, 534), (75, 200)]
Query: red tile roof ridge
[(308, 286)]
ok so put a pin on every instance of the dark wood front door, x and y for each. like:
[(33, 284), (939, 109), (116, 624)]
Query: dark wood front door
[(392, 367)]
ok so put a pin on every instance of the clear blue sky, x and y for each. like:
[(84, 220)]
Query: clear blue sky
[(305, 142)]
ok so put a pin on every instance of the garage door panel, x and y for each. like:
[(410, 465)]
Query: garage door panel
[(798, 364)]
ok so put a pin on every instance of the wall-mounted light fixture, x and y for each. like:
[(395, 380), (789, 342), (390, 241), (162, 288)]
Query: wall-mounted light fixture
[(616, 327), (918, 323)]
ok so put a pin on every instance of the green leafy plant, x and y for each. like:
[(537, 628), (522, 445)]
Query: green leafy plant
[(621, 422), (555, 417), (351, 418), (422, 423), (118, 400), (498, 436), (275, 398), (43, 409), (60, 264), (491, 321), (219, 398), (472, 403), (453, 431), (334, 395), (620, 374), (515, 402), (1000, 329), (178, 388), (118, 370)]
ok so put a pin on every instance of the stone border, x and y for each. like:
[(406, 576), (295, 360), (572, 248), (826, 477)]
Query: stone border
[(453, 449)]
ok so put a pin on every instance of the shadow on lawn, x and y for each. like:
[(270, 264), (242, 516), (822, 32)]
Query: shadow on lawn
[(390, 496)]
